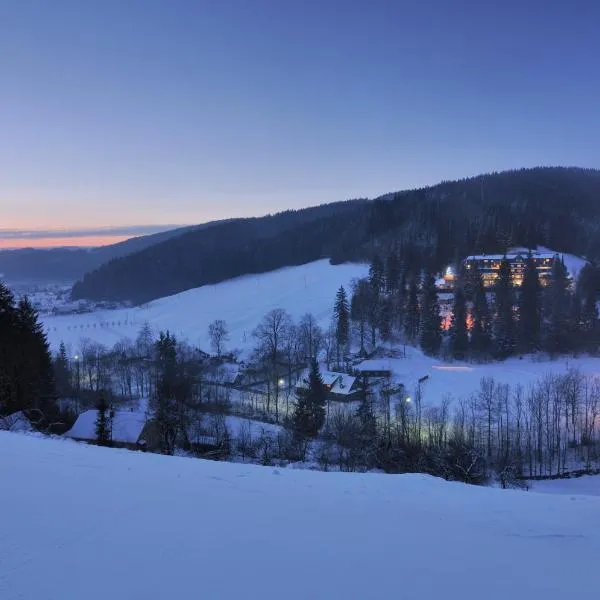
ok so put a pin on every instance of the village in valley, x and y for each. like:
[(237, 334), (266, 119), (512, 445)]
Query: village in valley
[(240, 402)]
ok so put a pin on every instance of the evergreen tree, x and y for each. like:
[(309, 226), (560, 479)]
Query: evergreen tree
[(341, 313), (430, 335), (530, 308), (459, 337), (8, 343), (309, 414), (26, 376), (377, 274), (557, 304), (481, 340), (359, 310), (412, 313), (587, 294), (62, 375), (392, 272), (103, 428), (165, 411), (385, 319), (504, 318)]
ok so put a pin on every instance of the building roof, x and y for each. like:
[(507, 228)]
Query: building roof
[(225, 373), (340, 383), (374, 364), (15, 422), (126, 426), (510, 256)]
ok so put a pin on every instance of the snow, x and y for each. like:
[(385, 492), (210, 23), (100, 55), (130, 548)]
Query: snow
[(458, 379), (341, 383), (15, 422), (587, 485), (126, 426), (573, 263), (118, 524), (241, 302), (235, 425)]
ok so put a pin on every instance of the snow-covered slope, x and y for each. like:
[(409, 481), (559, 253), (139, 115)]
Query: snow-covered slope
[(242, 302), (87, 522), (588, 485)]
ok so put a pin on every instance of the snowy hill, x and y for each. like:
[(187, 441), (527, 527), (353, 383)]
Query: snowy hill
[(242, 302), (120, 525)]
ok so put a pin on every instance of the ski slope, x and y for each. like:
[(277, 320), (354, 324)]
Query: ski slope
[(95, 523), (242, 302)]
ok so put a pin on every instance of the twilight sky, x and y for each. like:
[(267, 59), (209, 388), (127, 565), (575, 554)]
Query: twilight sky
[(115, 113)]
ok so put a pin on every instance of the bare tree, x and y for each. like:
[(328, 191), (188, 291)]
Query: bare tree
[(219, 335), (271, 334)]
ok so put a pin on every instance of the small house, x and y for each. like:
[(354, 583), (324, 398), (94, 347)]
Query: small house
[(126, 428), (374, 369), (340, 386)]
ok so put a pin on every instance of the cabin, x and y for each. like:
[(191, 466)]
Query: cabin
[(374, 369), (340, 386), (126, 429)]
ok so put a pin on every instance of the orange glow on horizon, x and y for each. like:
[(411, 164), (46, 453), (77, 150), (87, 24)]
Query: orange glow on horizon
[(56, 242)]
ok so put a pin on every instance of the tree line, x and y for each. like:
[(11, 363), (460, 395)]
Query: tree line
[(26, 373), (484, 323)]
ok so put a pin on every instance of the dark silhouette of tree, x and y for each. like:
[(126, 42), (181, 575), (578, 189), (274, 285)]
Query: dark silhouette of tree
[(309, 415), (504, 318), (556, 313), (481, 339), (412, 312), (103, 425), (430, 336), (459, 337), (586, 322), (530, 308), (341, 314)]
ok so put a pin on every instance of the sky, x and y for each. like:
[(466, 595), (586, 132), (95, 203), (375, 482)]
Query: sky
[(148, 113)]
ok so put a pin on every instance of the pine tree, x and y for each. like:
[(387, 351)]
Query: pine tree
[(392, 272), (530, 308), (359, 310), (62, 375), (165, 411), (412, 316), (309, 414), (377, 274), (8, 343), (103, 429), (587, 294), (481, 341), (504, 318), (35, 372), (341, 314), (430, 335), (557, 304), (459, 337)]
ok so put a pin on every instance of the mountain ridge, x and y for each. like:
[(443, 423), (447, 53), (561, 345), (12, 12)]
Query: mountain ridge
[(427, 227)]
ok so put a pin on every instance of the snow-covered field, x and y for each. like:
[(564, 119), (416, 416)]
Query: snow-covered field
[(588, 485), (88, 522), (459, 379), (242, 302)]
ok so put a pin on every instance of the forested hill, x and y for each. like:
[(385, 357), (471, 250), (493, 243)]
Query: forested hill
[(427, 228)]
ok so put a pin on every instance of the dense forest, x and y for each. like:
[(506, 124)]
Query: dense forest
[(26, 368), (429, 228)]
